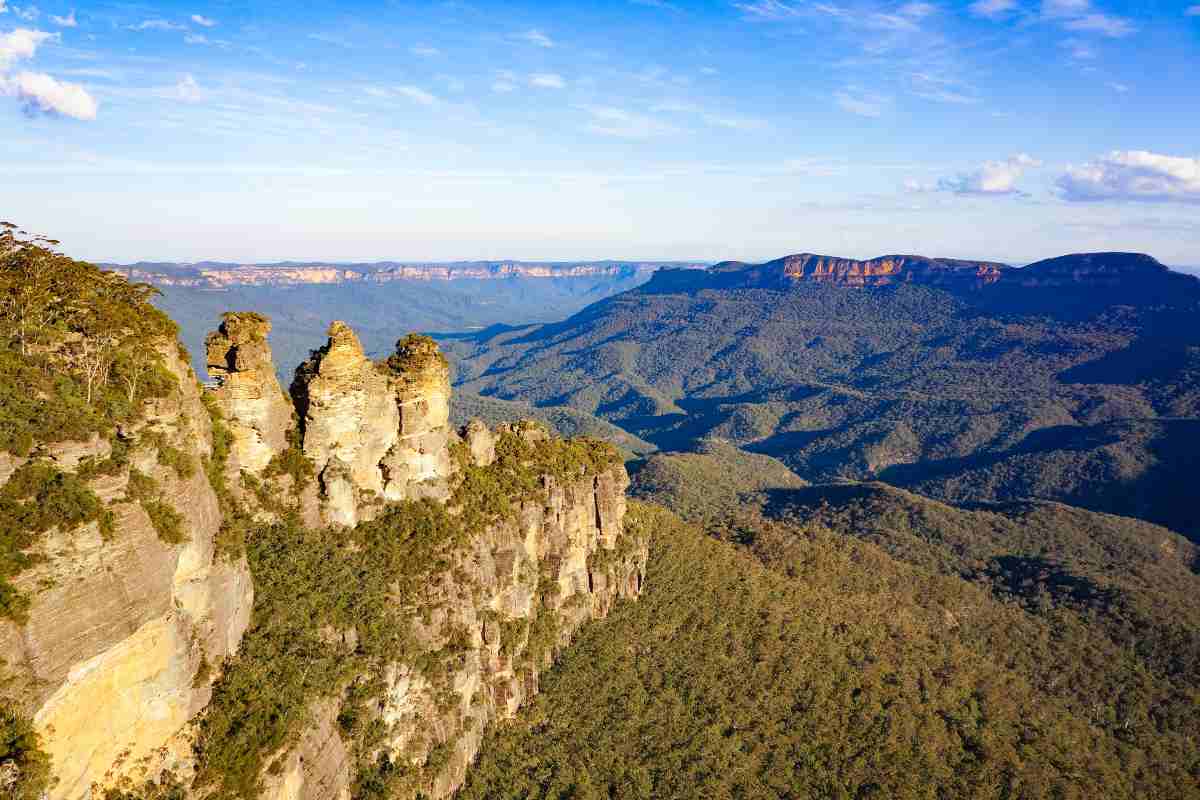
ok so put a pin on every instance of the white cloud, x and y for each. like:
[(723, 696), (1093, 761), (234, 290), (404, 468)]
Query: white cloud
[(196, 38), (611, 121), (424, 51), (416, 95), (535, 37), (772, 10), (203, 22), (40, 93), (547, 80), (27, 13), (1133, 175), (68, 21), (709, 71), (993, 178), (3, 7), (156, 25), (1119, 88), (992, 9), (21, 43), (862, 104)]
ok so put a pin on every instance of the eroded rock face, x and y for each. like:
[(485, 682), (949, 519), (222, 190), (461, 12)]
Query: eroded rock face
[(517, 595), (258, 413), (375, 432), (109, 663)]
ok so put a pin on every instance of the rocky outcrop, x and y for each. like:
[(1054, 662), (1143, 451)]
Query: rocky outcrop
[(375, 432), (789, 271), (130, 622), (513, 597), (115, 657), (248, 393)]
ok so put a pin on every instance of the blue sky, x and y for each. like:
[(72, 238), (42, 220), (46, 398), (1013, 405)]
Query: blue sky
[(1007, 129)]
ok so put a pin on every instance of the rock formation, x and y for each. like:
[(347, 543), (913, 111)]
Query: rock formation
[(516, 595), (127, 631), (374, 432), (115, 656), (782, 273), (247, 391)]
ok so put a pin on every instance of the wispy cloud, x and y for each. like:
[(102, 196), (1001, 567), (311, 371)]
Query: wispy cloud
[(1133, 175), (992, 178), (27, 13), (659, 4), (864, 104), (417, 95), (157, 25), (329, 38), (424, 51), (917, 10), (618, 122), (68, 21), (534, 37), (1119, 88), (1191, 11), (3, 7), (992, 9), (187, 90), (941, 89), (505, 82), (203, 22), (547, 80), (768, 10), (1078, 49), (1080, 16)]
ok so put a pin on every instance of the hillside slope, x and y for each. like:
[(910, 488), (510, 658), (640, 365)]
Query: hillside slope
[(1069, 379), (823, 668)]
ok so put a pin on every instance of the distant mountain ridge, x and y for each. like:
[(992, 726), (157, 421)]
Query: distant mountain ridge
[(218, 275), (1074, 379)]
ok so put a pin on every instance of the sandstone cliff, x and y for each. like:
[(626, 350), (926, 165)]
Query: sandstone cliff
[(296, 597), (125, 623), (782, 273)]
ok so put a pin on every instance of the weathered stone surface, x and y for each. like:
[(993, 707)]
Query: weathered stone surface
[(248, 393), (480, 442), (107, 661), (374, 430), (566, 555)]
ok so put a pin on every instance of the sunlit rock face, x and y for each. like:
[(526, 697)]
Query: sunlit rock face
[(375, 432), (259, 414), (115, 656)]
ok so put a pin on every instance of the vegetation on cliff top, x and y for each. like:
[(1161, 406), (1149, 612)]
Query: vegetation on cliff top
[(76, 346)]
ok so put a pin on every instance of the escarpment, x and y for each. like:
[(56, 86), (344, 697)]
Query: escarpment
[(322, 595), (128, 614)]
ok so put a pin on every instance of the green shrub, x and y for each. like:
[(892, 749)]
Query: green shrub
[(36, 498), (22, 760), (167, 522)]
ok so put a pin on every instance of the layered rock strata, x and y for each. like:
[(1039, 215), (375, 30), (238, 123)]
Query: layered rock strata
[(117, 652)]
